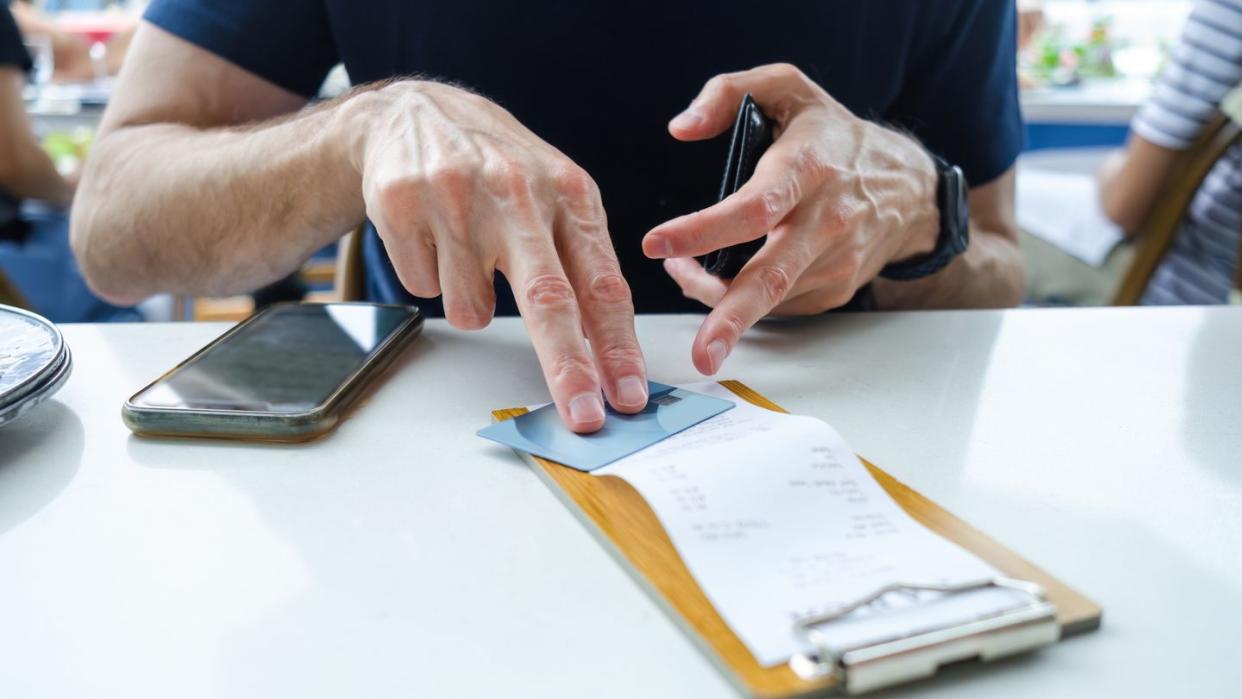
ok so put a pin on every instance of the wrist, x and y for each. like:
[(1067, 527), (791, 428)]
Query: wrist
[(362, 122), (921, 221), (354, 121)]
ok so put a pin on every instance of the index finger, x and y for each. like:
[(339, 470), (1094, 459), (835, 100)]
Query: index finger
[(782, 177), (762, 284)]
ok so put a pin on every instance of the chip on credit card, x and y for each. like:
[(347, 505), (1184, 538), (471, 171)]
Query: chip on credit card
[(669, 411)]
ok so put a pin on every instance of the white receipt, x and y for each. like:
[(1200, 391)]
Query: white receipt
[(777, 520)]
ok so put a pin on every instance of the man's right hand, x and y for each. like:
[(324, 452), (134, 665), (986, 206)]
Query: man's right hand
[(458, 188), (207, 179)]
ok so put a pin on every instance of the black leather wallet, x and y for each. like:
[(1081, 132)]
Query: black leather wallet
[(752, 134)]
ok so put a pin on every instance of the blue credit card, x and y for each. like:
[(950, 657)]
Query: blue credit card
[(669, 411)]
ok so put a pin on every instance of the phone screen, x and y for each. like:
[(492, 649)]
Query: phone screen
[(287, 360)]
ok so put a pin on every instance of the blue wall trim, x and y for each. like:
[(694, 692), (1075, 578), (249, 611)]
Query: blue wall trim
[(1040, 136)]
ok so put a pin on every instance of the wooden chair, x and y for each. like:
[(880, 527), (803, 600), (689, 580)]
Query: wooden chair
[(345, 274), (1155, 235), (350, 281), (1235, 296)]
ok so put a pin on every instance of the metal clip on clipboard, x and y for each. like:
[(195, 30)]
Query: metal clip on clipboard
[(897, 660)]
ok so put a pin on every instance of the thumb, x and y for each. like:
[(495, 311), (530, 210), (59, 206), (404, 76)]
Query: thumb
[(711, 113), (781, 89)]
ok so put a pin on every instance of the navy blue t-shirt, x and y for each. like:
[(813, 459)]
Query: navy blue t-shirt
[(13, 54), (12, 51), (600, 80)]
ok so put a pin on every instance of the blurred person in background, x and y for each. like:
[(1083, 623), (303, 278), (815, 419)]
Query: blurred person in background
[(71, 52), (25, 170), (1031, 21), (34, 228), (1204, 66)]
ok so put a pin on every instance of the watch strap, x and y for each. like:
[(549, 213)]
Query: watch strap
[(954, 234)]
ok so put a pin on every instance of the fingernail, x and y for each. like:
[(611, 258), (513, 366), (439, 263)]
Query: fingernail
[(717, 351), (660, 246), (632, 391), (586, 408), (686, 120)]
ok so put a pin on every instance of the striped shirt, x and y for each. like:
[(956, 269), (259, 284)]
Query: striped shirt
[(1204, 66)]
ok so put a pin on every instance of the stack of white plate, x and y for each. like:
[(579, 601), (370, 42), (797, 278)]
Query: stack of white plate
[(34, 362)]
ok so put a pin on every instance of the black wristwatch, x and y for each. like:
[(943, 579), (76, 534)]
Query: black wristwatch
[(954, 227)]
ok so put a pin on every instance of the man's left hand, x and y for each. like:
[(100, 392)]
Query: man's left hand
[(839, 197)]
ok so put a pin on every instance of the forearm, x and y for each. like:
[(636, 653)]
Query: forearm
[(1130, 180), (174, 208), (990, 274), (28, 173), (25, 170)]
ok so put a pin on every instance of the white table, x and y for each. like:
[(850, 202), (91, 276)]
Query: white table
[(403, 556)]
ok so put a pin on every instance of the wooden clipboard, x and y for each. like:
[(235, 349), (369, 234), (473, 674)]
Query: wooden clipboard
[(623, 521)]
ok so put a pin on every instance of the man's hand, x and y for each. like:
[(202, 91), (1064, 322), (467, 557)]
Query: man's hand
[(838, 197), (457, 188), (207, 179)]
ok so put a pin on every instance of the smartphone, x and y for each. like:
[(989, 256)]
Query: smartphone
[(285, 374)]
